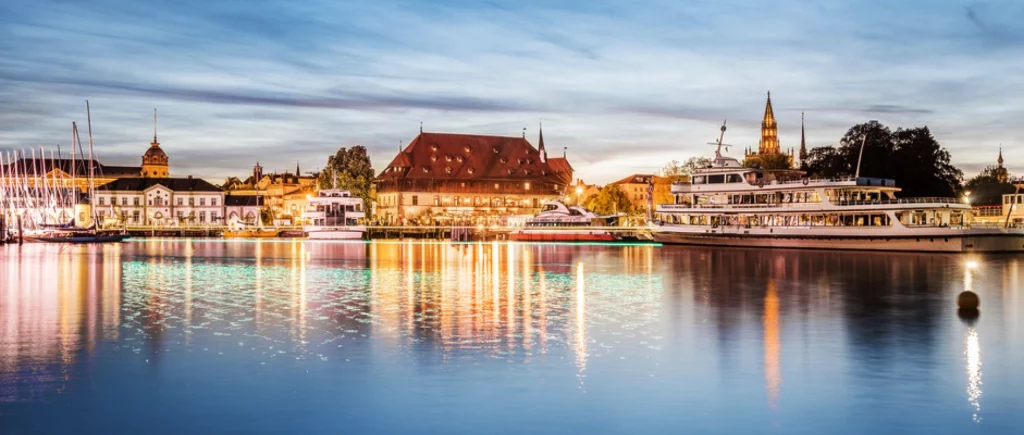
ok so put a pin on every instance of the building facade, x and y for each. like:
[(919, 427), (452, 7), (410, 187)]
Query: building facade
[(160, 202), (469, 177), (283, 193)]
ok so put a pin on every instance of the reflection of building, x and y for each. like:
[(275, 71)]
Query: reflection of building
[(470, 175), (769, 155)]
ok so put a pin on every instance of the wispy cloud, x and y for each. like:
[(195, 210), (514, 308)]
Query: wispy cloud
[(239, 81)]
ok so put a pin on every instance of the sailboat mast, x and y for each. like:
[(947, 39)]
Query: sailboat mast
[(92, 163)]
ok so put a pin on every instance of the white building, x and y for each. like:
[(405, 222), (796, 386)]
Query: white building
[(160, 202)]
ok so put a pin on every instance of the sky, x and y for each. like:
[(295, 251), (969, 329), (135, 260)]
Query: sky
[(625, 86)]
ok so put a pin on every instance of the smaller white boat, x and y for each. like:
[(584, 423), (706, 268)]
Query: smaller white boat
[(334, 215), (558, 222)]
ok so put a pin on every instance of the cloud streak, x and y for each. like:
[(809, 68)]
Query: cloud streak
[(239, 81)]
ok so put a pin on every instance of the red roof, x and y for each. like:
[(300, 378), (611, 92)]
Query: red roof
[(467, 156), (636, 179)]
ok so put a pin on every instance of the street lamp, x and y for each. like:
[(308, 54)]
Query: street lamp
[(967, 197), (579, 194)]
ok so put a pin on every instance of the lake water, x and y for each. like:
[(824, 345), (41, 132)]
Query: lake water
[(291, 336)]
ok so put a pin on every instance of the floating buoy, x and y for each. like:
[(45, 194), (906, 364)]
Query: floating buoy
[(968, 300)]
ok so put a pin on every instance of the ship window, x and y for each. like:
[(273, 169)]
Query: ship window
[(716, 179)]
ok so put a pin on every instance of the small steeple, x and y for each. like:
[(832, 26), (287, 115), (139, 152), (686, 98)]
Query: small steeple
[(155, 142), (1000, 159), (421, 126), (803, 140), (297, 173), (540, 143)]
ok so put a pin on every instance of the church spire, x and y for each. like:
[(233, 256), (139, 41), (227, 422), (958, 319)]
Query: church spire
[(540, 144), (1000, 160), (297, 173), (155, 142), (803, 140), (769, 130)]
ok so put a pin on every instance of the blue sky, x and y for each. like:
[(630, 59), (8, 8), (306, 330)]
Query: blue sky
[(626, 86)]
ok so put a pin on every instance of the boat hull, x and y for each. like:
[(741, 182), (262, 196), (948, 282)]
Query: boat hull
[(246, 234), (82, 238), (938, 241), (562, 236), (346, 233)]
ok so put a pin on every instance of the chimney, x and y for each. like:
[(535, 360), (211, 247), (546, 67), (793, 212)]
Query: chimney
[(189, 177)]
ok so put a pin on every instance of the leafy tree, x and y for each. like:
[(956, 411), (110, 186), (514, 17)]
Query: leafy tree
[(989, 186), (676, 169), (912, 157), (610, 200), (769, 161), (350, 169)]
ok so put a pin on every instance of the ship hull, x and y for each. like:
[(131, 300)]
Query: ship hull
[(937, 241), (562, 236), (325, 233)]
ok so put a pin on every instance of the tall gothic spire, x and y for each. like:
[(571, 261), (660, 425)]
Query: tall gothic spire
[(297, 173), (769, 131), (803, 140), (540, 144), (1000, 160)]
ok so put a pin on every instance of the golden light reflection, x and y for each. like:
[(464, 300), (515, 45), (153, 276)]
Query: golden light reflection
[(581, 324), (972, 352), (56, 306), (772, 373)]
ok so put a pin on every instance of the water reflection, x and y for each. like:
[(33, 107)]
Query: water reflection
[(581, 332)]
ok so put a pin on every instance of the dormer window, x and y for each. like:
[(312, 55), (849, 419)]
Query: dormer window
[(448, 158), (495, 149), (471, 171), (426, 169), (433, 147), (467, 148), (521, 161), (433, 158), (459, 159), (448, 170), (503, 160), (511, 171)]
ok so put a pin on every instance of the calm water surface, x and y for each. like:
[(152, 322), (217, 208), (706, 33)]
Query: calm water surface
[(171, 336)]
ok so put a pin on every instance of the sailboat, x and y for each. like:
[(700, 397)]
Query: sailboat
[(69, 232)]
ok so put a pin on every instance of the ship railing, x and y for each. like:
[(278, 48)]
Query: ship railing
[(919, 200)]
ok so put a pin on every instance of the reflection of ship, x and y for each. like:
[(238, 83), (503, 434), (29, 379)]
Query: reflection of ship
[(334, 215), (730, 205), (558, 222)]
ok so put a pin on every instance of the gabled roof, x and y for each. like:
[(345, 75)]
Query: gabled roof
[(468, 156), (636, 179), (176, 184)]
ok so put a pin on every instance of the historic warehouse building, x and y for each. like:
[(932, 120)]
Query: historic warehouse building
[(463, 176)]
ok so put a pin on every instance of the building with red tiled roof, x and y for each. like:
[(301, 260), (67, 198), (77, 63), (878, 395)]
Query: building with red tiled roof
[(637, 188), (470, 175)]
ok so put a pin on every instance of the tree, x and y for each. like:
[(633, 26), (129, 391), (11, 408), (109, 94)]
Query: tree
[(989, 186), (768, 161), (676, 169), (610, 200), (350, 169), (912, 157)]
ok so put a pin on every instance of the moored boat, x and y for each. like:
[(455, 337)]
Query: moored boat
[(730, 205), (334, 215), (558, 222)]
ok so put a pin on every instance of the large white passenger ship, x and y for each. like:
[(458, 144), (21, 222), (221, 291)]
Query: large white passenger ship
[(729, 205)]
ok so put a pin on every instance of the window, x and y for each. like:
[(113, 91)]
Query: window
[(124, 201), (135, 216), (181, 201), (149, 202), (495, 186), (415, 200), (100, 200), (213, 201), (191, 201), (526, 185), (135, 201), (202, 216), (202, 201), (181, 215), (213, 216)]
